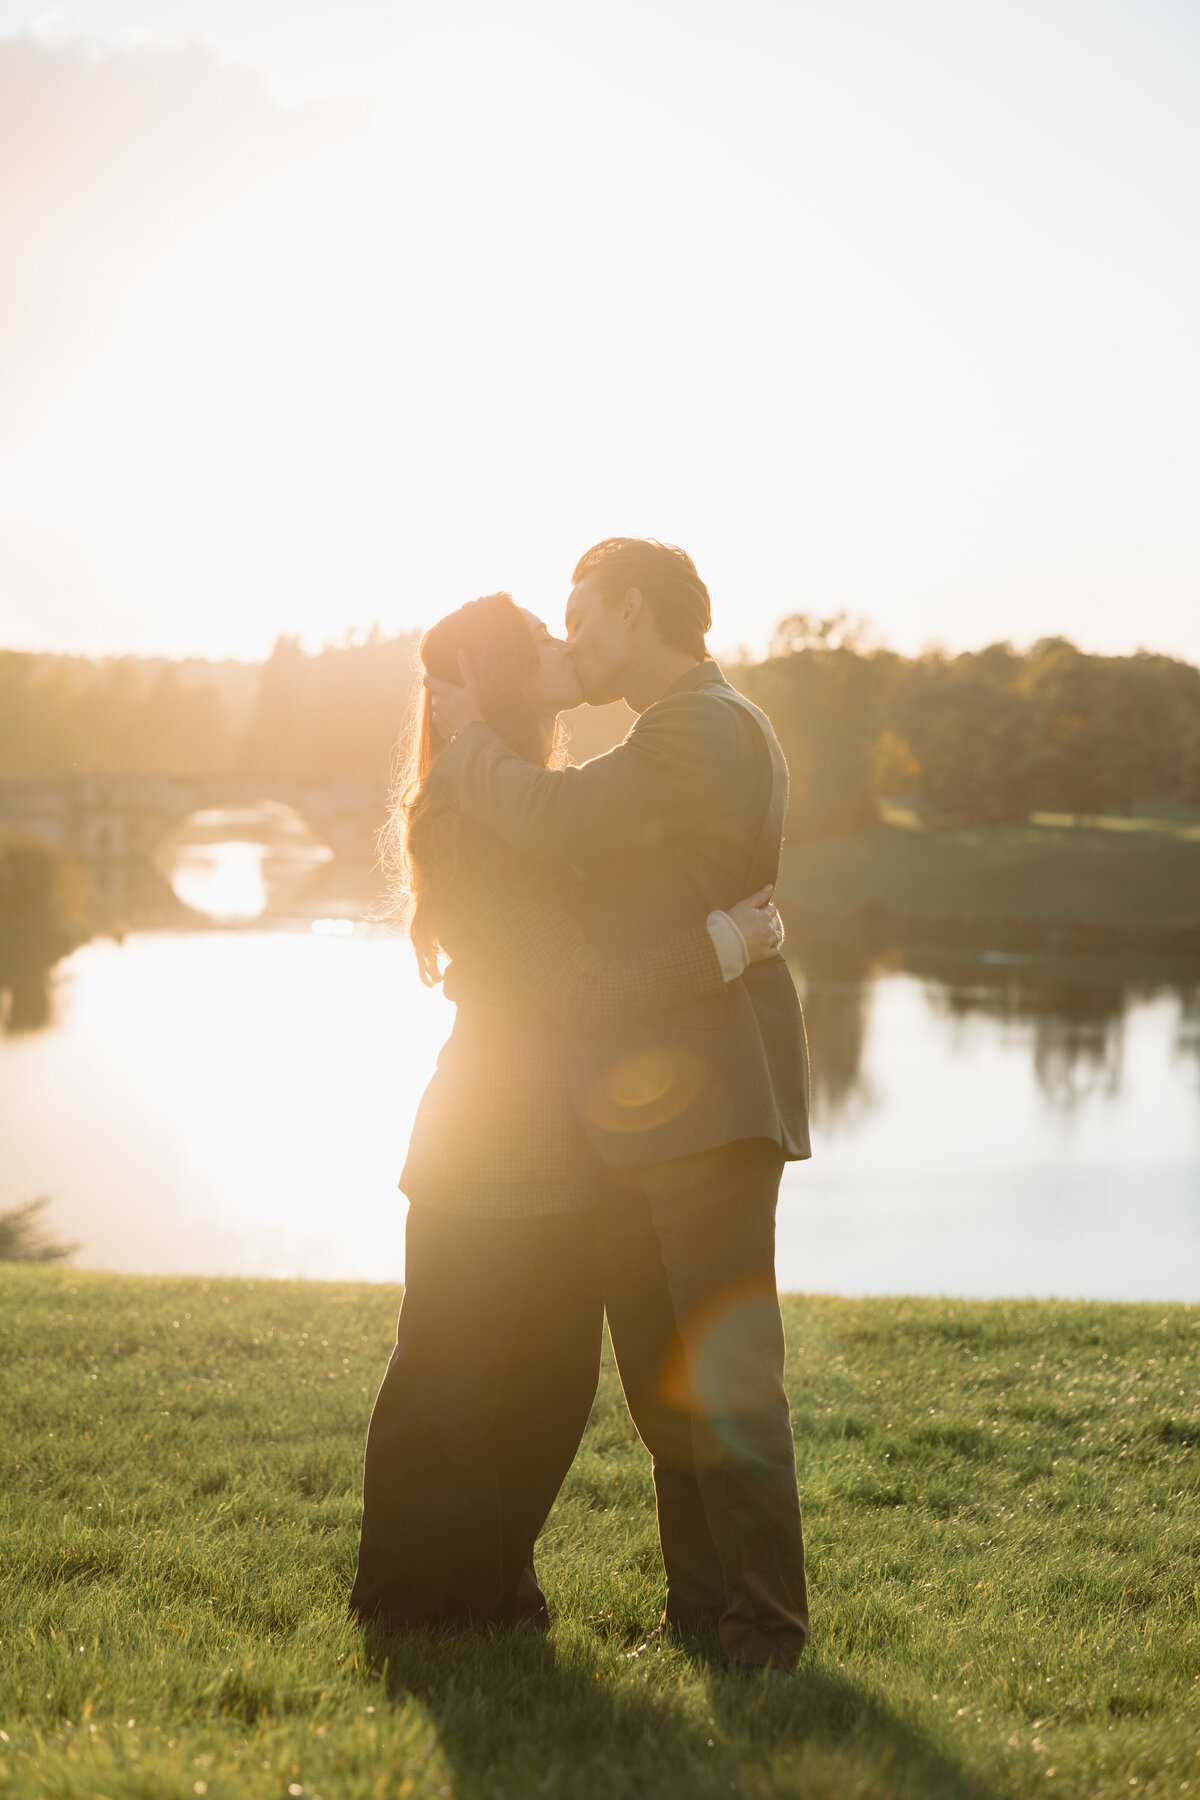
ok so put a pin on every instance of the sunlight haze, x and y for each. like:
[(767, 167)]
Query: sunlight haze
[(879, 307)]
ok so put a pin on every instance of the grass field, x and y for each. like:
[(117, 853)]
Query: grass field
[(1003, 1513), (1125, 873)]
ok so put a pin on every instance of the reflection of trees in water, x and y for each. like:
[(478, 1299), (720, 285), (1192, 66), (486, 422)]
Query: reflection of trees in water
[(39, 912), (1072, 1007), (836, 976), (1187, 1031), (1077, 1028)]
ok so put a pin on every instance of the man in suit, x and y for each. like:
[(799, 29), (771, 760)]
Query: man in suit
[(694, 1113)]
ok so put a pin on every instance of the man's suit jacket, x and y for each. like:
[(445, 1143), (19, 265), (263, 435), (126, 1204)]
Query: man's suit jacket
[(683, 817)]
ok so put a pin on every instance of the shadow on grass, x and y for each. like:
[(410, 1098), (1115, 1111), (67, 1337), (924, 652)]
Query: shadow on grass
[(515, 1717), (842, 1736)]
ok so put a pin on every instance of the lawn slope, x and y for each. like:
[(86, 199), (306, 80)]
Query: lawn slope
[(1129, 876), (1003, 1512)]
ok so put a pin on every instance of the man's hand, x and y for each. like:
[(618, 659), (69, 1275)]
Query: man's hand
[(454, 706)]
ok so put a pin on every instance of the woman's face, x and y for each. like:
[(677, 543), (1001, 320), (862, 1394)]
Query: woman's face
[(554, 685)]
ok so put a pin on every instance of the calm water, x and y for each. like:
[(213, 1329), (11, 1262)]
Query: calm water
[(239, 1101)]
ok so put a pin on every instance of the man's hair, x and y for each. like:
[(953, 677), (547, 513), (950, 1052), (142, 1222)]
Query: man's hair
[(667, 580)]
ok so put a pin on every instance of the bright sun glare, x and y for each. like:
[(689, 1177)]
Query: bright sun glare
[(859, 326)]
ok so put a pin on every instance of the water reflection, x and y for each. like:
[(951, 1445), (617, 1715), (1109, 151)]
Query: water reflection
[(1076, 1027), (1071, 1011), (1187, 1036), (239, 1102), (40, 904), (835, 976), (229, 865), (232, 863)]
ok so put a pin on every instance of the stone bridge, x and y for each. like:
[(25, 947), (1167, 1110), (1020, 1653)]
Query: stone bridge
[(111, 825)]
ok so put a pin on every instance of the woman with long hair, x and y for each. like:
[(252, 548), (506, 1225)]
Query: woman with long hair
[(497, 1350)]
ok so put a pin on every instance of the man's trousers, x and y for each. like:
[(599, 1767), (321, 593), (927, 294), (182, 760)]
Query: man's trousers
[(687, 1253)]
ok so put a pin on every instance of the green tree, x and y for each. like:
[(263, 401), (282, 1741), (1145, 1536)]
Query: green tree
[(826, 704)]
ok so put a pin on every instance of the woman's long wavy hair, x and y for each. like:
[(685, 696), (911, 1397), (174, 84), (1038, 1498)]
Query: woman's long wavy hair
[(419, 845)]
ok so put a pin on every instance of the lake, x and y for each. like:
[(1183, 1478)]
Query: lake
[(238, 1102)]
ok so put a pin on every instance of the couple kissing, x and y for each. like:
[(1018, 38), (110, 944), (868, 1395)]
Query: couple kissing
[(607, 1124)]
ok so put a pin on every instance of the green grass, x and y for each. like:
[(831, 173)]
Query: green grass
[(1003, 1513), (1124, 873)]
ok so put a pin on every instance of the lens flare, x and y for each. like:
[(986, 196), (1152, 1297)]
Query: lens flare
[(645, 1089), (715, 1369)]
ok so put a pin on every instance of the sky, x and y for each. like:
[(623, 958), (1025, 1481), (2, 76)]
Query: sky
[(327, 313)]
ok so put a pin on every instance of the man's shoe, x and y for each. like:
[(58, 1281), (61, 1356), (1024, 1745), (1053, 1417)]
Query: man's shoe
[(770, 1674)]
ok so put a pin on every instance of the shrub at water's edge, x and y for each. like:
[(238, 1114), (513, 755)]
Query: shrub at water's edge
[(23, 1238)]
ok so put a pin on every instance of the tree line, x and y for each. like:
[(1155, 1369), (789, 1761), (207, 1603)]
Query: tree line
[(329, 716), (979, 737), (983, 737)]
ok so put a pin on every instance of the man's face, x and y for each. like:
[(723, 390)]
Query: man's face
[(599, 640)]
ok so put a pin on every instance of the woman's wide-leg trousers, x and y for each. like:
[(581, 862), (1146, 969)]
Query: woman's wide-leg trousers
[(479, 1416)]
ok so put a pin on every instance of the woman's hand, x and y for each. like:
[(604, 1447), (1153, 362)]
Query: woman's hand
[(760, 925), (454, 706)]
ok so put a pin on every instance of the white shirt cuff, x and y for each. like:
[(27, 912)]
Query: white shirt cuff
[(729, 945)]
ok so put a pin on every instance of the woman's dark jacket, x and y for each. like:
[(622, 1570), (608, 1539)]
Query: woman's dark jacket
[(496, 1133)]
